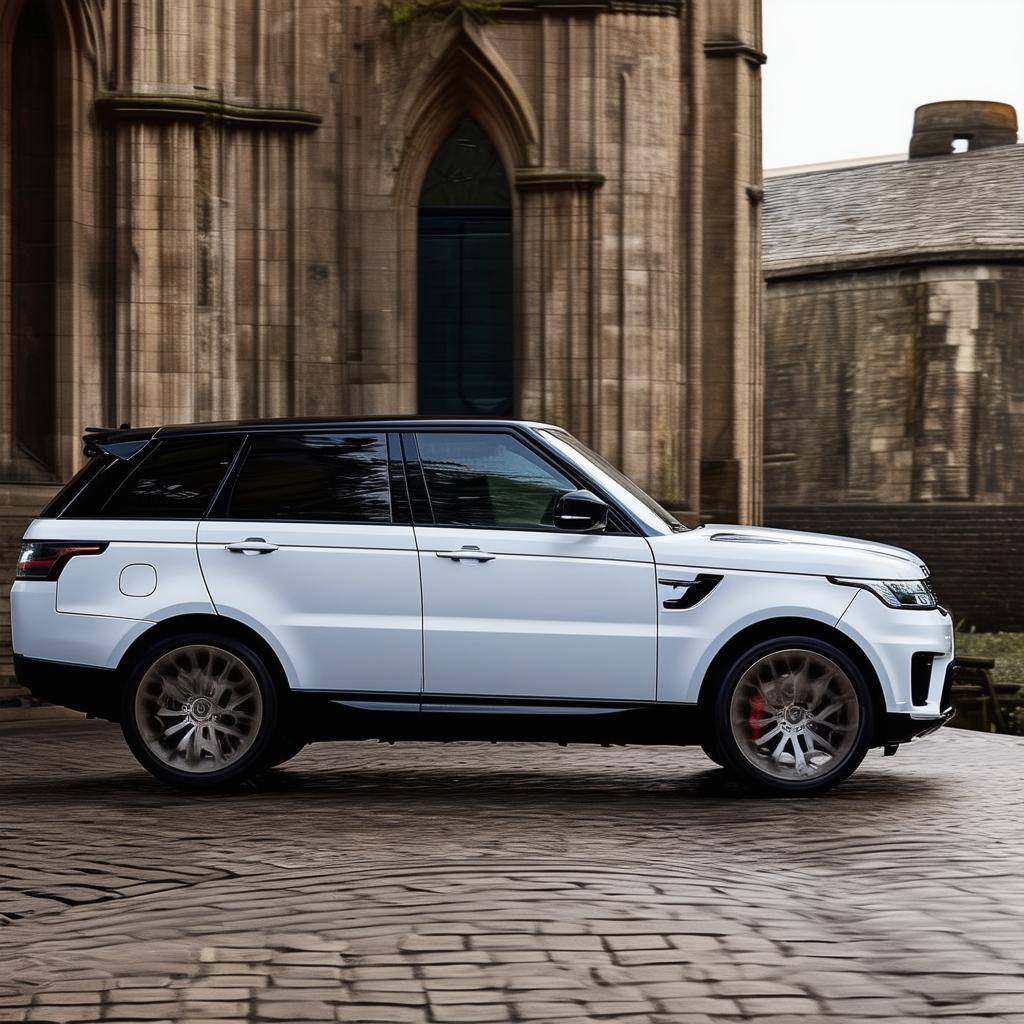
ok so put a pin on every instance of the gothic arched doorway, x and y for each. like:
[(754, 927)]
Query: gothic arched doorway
[(465, 280)]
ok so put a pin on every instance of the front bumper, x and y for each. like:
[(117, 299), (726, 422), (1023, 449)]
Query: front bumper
[(904, 728), (911, 652)]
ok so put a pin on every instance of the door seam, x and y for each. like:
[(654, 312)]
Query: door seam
[(423, 617)]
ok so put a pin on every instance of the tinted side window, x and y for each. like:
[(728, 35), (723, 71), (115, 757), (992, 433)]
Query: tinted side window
[(314, 477), (489, 480), (86, 478), (177, 479)]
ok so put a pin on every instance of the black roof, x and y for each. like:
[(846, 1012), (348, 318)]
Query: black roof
[(123, 434)]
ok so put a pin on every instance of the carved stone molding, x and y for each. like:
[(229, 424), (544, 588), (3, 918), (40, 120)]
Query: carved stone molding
[(171, 107), (734, 48), (550, 179), (461, 73)]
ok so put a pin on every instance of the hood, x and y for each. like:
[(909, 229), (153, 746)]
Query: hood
[(759, 549)]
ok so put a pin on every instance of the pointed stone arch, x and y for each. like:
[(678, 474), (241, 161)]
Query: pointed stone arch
[(462, 75)]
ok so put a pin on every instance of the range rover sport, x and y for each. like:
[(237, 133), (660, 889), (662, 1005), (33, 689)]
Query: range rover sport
[(231, 592)]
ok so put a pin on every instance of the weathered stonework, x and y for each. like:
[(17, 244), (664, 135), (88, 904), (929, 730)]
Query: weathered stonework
[(896, 386), (236, 194)]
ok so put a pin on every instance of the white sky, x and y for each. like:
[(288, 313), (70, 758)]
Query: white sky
[(844, 76)]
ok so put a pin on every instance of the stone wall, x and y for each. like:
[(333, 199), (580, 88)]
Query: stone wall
[(238, 186), (893, 386)]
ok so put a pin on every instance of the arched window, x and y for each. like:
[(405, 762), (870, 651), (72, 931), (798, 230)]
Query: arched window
[(34, 234), (465, 280)]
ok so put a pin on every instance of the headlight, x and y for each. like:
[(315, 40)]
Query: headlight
[(896, 593)]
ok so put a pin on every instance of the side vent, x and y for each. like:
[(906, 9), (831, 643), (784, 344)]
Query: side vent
[(946, 703), (920, 677), (693, 591)]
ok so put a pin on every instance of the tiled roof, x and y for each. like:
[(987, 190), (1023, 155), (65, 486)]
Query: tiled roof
[(889, 213)]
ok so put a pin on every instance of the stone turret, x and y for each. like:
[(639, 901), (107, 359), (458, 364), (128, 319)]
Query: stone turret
[(958, 126)]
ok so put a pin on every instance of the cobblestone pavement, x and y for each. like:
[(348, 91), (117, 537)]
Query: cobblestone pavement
[(473, 882)]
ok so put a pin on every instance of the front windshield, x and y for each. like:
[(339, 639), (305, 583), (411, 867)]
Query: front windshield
[(618, 476)]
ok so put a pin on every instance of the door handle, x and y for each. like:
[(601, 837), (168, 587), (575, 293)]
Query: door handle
[(251, 546), (467, 553)]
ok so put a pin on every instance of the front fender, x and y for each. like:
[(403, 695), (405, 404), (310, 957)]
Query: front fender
[(690, 639)]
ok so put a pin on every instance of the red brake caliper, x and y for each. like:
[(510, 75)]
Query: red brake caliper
[(756, 716)]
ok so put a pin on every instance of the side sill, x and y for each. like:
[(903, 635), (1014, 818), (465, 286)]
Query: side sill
[(410, 700), (390, 717)]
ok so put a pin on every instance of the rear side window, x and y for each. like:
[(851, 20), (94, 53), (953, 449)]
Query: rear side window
[(177, 479), (489, 480), (332, 478), (86, 478)]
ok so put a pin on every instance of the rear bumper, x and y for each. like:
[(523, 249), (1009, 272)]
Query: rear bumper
[(95, 691)]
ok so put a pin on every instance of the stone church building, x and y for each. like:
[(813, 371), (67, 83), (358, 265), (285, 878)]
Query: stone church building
[(213, 209)]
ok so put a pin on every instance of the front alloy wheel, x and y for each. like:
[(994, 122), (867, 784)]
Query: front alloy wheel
[(794, 716), (200, 712)]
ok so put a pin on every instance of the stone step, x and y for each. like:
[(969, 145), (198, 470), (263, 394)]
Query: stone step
[(38, 713)]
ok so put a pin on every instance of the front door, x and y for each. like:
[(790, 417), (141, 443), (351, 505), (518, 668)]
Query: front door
[(514, 607), (305, 551)]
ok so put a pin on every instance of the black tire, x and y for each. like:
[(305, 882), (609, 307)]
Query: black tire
[(745, 748), (247, 694), (713, 750), (285, 745)]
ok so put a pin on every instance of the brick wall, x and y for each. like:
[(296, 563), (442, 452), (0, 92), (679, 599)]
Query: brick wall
[(975, 552)]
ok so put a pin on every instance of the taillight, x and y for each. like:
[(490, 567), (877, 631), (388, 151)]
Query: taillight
[(44, 559)]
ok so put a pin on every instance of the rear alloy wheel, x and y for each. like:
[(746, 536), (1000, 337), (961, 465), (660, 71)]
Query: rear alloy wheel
[(200, 712), (794, 716)]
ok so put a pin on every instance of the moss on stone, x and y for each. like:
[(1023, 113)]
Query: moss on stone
[(404, 12)]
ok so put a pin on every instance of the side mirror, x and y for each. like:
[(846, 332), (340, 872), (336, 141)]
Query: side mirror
[(581, 511)]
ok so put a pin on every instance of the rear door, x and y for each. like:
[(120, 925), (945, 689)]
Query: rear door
[(513, 606), (309, 546)]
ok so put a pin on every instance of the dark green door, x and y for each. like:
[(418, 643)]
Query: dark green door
[(465, 280)]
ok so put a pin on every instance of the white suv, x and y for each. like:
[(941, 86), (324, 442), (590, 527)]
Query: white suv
[(230, 592)]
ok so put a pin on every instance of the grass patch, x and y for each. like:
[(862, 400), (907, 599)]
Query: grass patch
[(1006, 648)]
